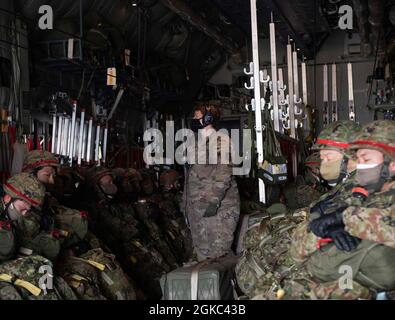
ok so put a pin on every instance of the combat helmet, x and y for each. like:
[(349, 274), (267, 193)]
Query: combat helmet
[(313, 161), (95, 174), (38, 159), (337, 136), (378, 135), (25, 187), (168, 177), (133, 175)]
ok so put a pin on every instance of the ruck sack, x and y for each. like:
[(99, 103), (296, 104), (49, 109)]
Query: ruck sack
[(267, 259), (274, 167), (24, 275), (372, 265), (114, 284), (248, 222), (82, 277), (73, 223), (210, 279)]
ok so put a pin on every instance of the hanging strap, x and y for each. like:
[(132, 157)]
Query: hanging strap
[(34, 290), (195, 278), (272, 146)]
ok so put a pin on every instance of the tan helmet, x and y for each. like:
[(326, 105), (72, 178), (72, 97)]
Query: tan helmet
[(38, 159), (26, 187)]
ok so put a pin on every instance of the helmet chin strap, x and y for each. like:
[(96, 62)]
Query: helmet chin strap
[(384, 176), (343, 175)]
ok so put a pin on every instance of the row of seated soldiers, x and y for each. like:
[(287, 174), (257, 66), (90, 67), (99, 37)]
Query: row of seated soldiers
[(339, 246), (104, 234)]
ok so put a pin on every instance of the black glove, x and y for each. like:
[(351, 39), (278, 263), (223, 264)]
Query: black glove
[(321, 225), (211, 210), (343, 240), (47, 222), (319, 209)]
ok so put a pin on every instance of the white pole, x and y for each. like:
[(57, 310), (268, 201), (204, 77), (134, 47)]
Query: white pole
[(89, 141), (351, 108), (325, 120), (97, 143), (65, 137), (257, 94), (291, 105), (81, 136), (53, 133), (334, 94), (72, 131), (59, 142), (84, 141), (273, 58), (304, 83), (105, 144)]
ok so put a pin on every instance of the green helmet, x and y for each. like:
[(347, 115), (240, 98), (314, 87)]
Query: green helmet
[(378, 135), (313, 161), (95, 174), (133, 175), (38, 159), (25, 187), (337, 136)]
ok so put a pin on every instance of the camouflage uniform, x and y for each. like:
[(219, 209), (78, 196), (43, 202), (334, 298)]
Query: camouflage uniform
[(211, 187), (305, 189), (335, 136), (19, 278), (69, 225), (368, 218), (375, 223), (117, 225), (30, 238), (171, 217), (283, 275)]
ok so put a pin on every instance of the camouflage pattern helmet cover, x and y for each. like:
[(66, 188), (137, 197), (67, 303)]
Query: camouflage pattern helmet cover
[(313, 161), (133, 175), (378, 135), (337, 136), (25, 187), (38, 159)]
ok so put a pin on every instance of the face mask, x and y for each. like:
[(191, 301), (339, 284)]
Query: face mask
[(196, 124), (109, 189), (13, 213), (330, 170), (368, 174)]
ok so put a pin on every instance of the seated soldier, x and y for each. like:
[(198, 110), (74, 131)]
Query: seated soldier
[(71, 224), (338, 169), (23, 192), (368, 216), (127, 230), (276, 250)]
